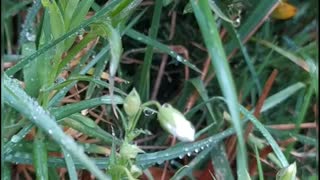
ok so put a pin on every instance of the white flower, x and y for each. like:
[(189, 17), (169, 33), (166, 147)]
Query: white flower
[(175, 123)]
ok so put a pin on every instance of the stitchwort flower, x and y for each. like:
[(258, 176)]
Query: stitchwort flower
[(174, 122)]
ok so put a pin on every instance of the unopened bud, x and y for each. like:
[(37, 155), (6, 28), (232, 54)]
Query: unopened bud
[(132, 103)]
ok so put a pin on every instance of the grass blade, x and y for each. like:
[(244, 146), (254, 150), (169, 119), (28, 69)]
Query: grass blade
[(258, 163), (69, 109), (144, 83), (40, 156), (267, 135), (73, 31), (147, 40), (219, 61), (70, 165), (292, 57)]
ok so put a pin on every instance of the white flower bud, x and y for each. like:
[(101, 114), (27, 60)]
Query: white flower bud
[(175, 123)]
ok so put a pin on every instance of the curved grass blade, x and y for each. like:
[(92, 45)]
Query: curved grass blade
[(69, 109), (267, 135), (281, 96), (198, 84), (143, 160), (74, 79), (19, 100), (83, 124), (219, 61), (162, 47), (292, 57)]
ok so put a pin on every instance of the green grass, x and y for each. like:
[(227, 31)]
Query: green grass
[(55, 114)]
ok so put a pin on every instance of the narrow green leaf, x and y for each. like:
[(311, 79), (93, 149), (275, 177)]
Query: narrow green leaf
[(162, 47), (144, 82), (70, 165), (198, 84), (220, 162), (281, 96), (260, 171), (40, 156), (219, 61), (292, 57), (64, 111), (267, 135)]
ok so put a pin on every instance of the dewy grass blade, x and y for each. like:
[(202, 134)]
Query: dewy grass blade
[(219, 61), (19, 100), (45, 48), (40, 155), (70, 165), (162, 47)]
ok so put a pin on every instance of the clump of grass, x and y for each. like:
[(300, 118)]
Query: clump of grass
[(224, 90)]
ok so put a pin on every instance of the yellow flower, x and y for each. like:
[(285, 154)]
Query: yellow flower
[(284, 11)]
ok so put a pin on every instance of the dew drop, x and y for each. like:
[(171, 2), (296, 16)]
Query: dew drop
[(189, 154), (50, 131), (181, 157), (139, 38), (159, 162), (30, 36), (196, 150), (15, 138), (207, 145), (179, 58), (148, 112)]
